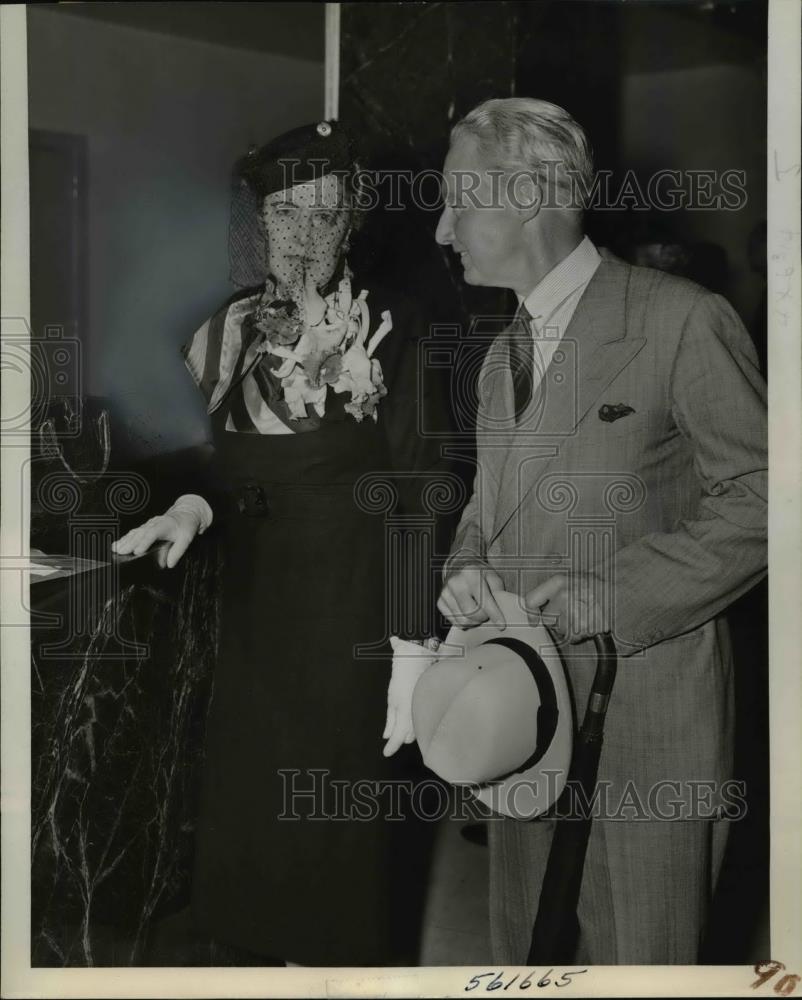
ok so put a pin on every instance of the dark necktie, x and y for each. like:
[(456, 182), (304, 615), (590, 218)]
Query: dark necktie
[(522, 359)]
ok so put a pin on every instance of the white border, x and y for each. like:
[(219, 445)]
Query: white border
[(18, 980), (15, 651), (785, 450)]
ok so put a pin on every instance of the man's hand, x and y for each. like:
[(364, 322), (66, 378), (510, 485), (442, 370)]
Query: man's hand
[(177, 527), (468, 598), (568, 606), (409, 661)]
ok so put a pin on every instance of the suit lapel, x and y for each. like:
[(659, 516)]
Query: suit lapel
[(594, 349)]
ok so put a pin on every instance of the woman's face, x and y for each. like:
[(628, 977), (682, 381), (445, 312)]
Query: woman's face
[(306, 227)]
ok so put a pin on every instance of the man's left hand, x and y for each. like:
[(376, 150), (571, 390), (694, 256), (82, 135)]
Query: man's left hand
[(568, 606)]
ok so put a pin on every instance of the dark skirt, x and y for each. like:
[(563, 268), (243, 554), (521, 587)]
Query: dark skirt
[(303, 852)]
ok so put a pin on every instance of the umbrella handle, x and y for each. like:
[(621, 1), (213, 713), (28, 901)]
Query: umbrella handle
[(599, 698)]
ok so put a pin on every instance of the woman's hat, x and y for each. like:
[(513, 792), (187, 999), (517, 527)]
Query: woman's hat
[(494, 711), (296, 157)]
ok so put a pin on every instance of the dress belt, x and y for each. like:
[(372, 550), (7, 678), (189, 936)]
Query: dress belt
[(258, 499)]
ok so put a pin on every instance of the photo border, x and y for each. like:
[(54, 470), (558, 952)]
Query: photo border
[(785, 619)]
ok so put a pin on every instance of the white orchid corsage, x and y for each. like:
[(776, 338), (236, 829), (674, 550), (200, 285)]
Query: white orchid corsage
[(325, 344)]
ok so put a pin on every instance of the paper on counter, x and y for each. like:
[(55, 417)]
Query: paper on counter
[(40, 570)]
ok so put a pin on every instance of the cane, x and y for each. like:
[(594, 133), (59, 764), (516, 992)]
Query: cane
[(556, 925)]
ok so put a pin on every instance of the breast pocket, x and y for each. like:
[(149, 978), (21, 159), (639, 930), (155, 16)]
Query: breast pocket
[(632, 442), (597, 433)]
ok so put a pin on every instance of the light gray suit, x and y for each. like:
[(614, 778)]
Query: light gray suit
[(662, 503)]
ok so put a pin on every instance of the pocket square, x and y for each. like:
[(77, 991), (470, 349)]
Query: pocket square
[(614, 411)]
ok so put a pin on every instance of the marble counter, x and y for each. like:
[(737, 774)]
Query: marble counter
[(121, 677), (116, 741)]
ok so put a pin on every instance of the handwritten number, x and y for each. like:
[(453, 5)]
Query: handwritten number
[(567, 977), (765, 970), (786, 986), (497, 980)]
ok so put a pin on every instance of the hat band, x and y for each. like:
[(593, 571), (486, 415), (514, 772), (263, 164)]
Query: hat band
[(547, 713)]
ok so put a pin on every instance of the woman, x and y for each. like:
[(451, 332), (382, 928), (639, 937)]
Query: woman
[(311, 382)]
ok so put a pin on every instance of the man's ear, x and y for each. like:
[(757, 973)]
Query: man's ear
[(525, 194)]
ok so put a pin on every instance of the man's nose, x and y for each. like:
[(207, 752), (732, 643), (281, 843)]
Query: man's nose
[(444, 234)]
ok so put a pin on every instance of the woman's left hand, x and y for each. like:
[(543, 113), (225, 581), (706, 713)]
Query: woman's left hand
[(410, 660)]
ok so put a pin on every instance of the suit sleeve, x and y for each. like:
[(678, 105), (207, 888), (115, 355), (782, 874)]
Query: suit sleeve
[(468, 547), (671, 582)]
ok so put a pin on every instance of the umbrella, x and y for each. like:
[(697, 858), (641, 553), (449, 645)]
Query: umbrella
[(556, 926)]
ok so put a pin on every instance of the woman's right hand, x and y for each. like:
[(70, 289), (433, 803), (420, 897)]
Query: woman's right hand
[(178, 527)]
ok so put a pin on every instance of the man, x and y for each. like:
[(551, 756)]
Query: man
[(620, 486)]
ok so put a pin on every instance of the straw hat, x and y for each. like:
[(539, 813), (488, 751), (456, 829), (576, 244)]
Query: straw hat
[(494, 711)]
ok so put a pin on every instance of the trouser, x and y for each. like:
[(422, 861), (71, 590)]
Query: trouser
[(646, 889)]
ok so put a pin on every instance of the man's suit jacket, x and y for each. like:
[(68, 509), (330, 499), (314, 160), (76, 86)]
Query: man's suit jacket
[(641, 464)]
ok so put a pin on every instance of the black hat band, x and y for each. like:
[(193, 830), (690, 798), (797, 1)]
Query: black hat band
[(547, 714)]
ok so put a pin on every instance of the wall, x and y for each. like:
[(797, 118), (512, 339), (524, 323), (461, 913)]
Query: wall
[(704, 118), (165, 118)]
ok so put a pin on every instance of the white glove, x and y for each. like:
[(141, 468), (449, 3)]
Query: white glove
[(189, 516), (193, 504), (410, 660)]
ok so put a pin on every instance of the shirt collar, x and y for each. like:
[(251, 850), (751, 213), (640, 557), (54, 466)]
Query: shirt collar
[(571, 274)]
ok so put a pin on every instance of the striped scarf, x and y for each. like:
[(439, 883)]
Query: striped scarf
[(226, 363)]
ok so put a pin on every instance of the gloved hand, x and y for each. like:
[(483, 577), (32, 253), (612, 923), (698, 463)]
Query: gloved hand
[(410, 660), (189, 516)]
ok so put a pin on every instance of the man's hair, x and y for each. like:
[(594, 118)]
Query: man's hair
[(526, 134)]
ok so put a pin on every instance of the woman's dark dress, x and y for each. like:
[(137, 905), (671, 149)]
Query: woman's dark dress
[(295, 708)]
